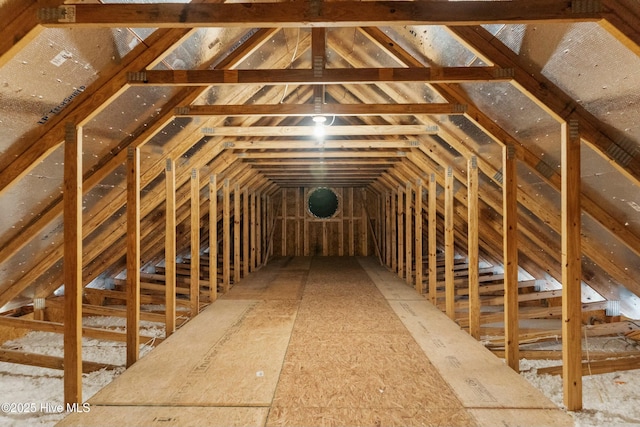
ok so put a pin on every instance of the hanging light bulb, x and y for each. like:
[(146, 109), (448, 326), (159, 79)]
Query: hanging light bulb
[(319, 128)]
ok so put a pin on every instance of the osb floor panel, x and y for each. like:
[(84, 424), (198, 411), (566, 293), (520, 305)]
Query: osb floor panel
[(319, 342)]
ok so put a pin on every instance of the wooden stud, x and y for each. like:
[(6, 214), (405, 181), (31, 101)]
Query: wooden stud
[(510, 250), (408, 234), (449, 243), (341, 223), (236, 233), (254, 230), (401, 235), (259, 233), (387, 228), (284, 222), (73, 264), (170, 247), (194, 287), (246, 217), (352, 236), (473, 247), (226, 236), (133, 255), (364, 230), (394, 231), (571, 268), (213, 237), (418, 237), (433, 238)]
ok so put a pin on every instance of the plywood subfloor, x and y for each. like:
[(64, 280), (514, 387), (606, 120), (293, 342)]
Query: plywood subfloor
[(319, 341)]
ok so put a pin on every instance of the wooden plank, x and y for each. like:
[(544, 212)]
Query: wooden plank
[(177, 416), (133, 255), (432, 236), (194, 288), (47, 361), (347, 14), (612, 364), (170, 247), (387, 228), (473, 246), (19, 27), (226, 236), (449, 243), (364, 230), (394, 231), (307, 110), (510, 251), (243, 328), (520, 417), (213, 238), (571, 266), (73, 264)]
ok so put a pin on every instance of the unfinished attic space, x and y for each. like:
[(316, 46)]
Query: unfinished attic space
[(337, 212)]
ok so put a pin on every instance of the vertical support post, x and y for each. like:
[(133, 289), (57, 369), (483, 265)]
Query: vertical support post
[(408, 247), (226, 236), (394, 232), (236, 234), (510, 249), (418, 237), (387, 228), (245, 233), (307, 249), (473, 243), (253, 230), (284, 222), (433, 239), (133, 255), (364, 230), (72, 199), (352, 236), (213, 238), (401, 236), (170, 247), (259, 204), (449, 244), (341, 227), (571, 268), (194, 286)]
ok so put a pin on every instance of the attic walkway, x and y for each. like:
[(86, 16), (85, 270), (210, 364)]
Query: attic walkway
[(320, 341)]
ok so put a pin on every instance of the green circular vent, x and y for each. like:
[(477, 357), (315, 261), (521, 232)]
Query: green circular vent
[(323, 203)]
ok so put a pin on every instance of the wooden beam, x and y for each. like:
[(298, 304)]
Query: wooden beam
[(308, 110), (294, 76), (73, 265), (195, 242), (401, 233), (408, 228), (213, 238), (236, 233), (417, 233), (19, 27), (246, 243), (510, 251), (326, 144), (59, 328), (362, 130), (226, 236), (571, 267), (432, 236), (170, 247), (473, 245), (345, 14), (253, 231), (449, 243), (46, 361), (133, 255)]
